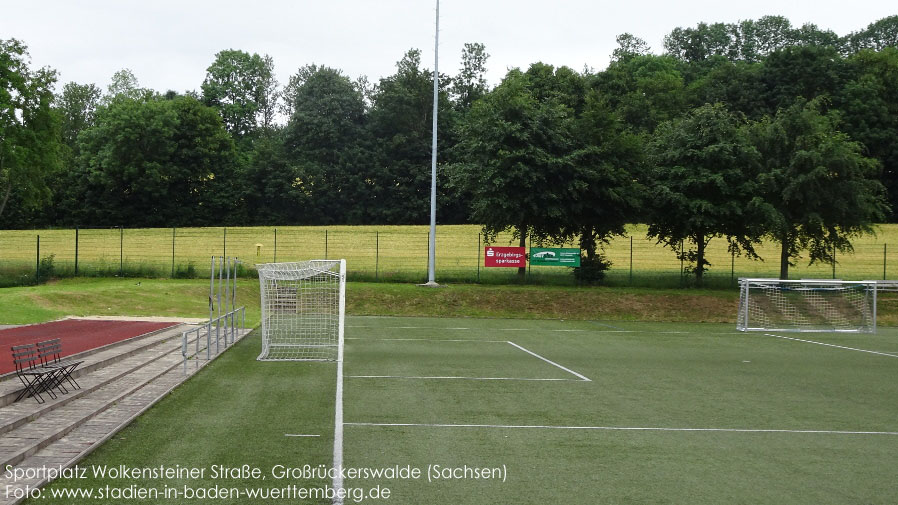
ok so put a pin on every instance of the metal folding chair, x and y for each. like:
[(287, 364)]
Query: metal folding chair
[(50, 352), (36, 379)]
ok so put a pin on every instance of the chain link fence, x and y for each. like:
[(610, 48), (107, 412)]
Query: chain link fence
[(388, 253)]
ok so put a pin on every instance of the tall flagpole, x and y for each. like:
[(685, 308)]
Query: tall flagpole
[(431, 260)]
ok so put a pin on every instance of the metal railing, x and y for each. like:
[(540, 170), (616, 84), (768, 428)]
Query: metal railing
[(224, 327)]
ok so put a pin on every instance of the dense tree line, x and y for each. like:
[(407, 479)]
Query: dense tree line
[(737, 131)]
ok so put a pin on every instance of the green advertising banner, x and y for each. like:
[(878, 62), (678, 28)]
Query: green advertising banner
[(554, 257)]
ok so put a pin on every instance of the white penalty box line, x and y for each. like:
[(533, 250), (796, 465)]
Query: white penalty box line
[(620, 428), (878, 353), (568, 370), (530, 330), (440, 328), (579, 377)]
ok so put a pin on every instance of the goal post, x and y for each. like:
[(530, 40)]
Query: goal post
[(806, 305), (303, 310)]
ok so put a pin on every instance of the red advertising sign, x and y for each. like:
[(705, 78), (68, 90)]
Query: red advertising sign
[(504, 257)]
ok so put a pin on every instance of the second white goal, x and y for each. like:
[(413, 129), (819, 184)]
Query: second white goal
[(807, 305)]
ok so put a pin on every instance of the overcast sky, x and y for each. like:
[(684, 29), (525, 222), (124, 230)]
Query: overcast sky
[(168, 44)]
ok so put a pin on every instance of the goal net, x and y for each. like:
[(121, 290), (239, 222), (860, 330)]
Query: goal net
[(303, 310), (807, 305)]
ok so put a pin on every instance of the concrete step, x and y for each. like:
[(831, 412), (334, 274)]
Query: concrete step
[(28, 438), (129, 358), (25, 427), (95, 359), (97, 426)]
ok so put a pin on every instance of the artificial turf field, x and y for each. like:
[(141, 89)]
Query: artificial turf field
[(570, 411)]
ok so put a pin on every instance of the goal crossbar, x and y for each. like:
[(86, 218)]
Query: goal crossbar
[(809, 305)]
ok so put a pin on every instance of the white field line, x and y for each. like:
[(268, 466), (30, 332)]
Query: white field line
[(449, 377), (486, 330), (493, 329), (338, 436), (622, 428), (428, 340), (408, 327), (298, 435), (568, 370), (832, 345), (580, 378)]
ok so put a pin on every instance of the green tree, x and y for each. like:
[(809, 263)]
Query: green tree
[(516, 164), (401, 123), (606, 195), (157, 163), (644, 90), (702, 182), (470, 83), (819, 190), (749, 40), (124, 84), (878, 35), (29, 128), (868, 108), (243, 88), (737, 84), (806, 72), (275, 192), (628, 46), (701, 42), (77, 105), (326, 140)]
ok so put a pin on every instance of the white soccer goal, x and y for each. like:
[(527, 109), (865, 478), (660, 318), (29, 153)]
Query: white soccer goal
[(303, 306), (807, 305)]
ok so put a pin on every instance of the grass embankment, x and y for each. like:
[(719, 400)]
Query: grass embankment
[(189, 298), (118, 297)]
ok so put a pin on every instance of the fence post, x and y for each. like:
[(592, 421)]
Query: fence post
[(884, 255), (211, 289), (275, 260), (834, 261), (76, 251), (733, 267), (631, 259), (478, 256), (224, 243), (121, 251), (173, 252), (682, 269), (37, 261), (530, 239), (376, 253), (218, 319), (227, 298)]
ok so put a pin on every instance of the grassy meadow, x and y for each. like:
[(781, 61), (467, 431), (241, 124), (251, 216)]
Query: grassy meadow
[(392, 254)]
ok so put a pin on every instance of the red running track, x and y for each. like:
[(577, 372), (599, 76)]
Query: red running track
[(77, 335)]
